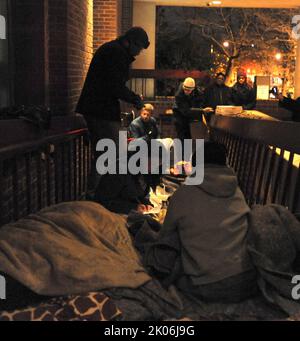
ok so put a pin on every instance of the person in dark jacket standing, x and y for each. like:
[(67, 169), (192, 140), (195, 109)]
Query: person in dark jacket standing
[(243, 94), (218, 93), (105, 85), (188, 96)]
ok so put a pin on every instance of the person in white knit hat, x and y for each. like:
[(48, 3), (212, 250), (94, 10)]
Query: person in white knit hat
[(188, 85), (188, 96)]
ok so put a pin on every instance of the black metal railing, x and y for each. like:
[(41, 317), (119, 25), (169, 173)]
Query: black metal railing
[(43, 172), (265, 156)]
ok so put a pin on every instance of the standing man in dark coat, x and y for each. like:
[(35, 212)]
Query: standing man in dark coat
[(105, 85), (187, 97), (218, 93), (244, 94)]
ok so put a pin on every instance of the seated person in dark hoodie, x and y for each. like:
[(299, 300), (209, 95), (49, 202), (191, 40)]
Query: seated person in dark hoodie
[(243, 94), (145, 126), (218, 93), (123, 193), (201, 247)]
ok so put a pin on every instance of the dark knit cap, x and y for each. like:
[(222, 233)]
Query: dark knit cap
[(139, 35)]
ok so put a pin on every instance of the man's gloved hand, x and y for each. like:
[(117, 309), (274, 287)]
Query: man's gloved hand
[(148, 137), (138, 104), (208, 110)]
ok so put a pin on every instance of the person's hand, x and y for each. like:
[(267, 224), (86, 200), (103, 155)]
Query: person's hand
[(208, 110), (280, 97), (139, 104), (141, 208)]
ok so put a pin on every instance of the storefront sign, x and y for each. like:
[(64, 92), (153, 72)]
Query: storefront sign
[(296, 28)]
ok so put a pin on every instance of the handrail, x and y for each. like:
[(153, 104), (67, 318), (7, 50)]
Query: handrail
[(44, 171), (265, 156), (166, 74), (14, 149), (283, 135)]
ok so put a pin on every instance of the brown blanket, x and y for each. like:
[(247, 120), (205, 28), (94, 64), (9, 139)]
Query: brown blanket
[(71, 248)]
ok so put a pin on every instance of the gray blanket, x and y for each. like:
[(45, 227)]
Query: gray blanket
[(71, 248), (274, 245)]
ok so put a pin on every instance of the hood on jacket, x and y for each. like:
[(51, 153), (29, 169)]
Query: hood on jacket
[(219, 181)]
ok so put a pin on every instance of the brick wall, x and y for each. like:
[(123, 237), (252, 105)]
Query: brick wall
[(80, 46), (54, 42), (105, 21), (70, 51), (126, 18), (57, 52)]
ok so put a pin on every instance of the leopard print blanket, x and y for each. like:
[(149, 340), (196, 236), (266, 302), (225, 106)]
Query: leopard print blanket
[(94, 306)]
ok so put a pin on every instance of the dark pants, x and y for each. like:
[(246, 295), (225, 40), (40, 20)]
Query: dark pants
[(233, 289), (182, 125), (183, 130), (100, 129)]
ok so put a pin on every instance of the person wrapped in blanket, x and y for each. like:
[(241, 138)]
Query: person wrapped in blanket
[(201, 247)]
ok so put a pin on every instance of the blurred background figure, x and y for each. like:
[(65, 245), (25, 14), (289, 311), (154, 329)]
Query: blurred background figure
[(218, 93), (188, 96), (293, 105), (243, 94)]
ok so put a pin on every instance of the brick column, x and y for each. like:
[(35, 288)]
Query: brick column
[(57, 42), (126, 17), (105, 21), (70, 51), (79, 47)]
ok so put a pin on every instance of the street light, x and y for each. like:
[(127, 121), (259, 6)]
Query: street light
[(226, 44), (214, 3), (278, 56)]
